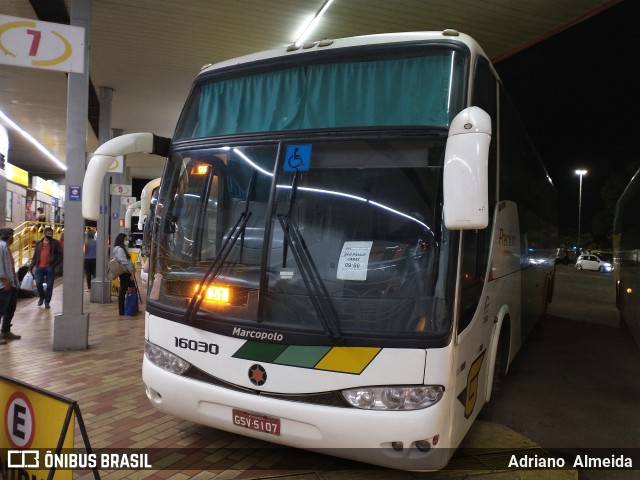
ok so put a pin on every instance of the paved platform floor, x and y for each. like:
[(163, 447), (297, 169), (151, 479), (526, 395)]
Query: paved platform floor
[(105, 380)]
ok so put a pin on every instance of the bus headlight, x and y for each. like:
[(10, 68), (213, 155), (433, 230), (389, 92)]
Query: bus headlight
[(394, 397), (165, 359)]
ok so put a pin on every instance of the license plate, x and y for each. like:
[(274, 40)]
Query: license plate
[(255, 421)]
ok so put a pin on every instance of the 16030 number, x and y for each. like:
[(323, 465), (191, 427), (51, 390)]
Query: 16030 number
[(197, 346)]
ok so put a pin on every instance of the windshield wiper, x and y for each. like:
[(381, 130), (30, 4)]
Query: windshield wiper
[(292, 199), (316, 288), (238, 230), (313, 283), (216, 266)]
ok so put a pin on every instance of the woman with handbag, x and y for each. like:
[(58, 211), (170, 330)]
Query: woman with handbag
[(127, 278)]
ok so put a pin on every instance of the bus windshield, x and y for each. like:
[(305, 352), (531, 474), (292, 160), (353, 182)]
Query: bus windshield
[(348, 243)]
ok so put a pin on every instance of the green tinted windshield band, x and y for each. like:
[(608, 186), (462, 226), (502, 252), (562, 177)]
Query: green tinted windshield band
[(350, 94)]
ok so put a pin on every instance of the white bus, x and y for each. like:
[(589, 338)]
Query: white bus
[(350, 243)]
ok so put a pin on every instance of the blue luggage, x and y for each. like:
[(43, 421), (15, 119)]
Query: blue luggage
[(131, 302)]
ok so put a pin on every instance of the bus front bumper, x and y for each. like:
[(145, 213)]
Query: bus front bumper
[(381, 438)]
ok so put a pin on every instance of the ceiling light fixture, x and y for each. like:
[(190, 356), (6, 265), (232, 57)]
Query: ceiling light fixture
[(32, 140), (314, 22)]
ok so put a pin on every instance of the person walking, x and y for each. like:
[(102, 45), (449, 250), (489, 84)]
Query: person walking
[(41, 217), (90, 246), (46, 257), (127, 279), (10, 286)]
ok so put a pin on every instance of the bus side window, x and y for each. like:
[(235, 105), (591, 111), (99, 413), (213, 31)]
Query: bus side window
[(485, 97), (476, 243)]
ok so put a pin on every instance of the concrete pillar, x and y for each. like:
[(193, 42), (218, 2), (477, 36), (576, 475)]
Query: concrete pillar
[(117, 211), (71, 327), (101, 285)]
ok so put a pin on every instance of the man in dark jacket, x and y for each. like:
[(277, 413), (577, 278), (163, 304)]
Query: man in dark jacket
[(47, 256), (8, 286)]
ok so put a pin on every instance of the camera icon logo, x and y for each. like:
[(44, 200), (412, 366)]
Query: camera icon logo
[(23, 459)]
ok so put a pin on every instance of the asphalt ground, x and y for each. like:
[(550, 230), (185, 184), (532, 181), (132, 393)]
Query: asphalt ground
[(575, 386)]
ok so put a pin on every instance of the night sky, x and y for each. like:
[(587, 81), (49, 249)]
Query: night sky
[(576, 93)]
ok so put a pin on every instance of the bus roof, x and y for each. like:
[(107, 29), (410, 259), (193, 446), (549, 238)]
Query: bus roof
[(448, 35)]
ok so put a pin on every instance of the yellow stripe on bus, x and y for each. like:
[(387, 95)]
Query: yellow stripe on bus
[(347, 359)]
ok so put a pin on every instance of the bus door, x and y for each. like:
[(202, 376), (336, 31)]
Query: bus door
[(473, 329)]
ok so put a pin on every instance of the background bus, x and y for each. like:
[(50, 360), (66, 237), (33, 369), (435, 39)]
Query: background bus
[(626, 256), (351, 242)]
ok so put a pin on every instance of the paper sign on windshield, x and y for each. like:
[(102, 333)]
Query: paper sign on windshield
[(354, 260)]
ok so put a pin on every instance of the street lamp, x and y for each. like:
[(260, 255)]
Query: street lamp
[(580, 173)]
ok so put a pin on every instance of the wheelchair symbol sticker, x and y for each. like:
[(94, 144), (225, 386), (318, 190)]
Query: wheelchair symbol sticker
[(297, 157)]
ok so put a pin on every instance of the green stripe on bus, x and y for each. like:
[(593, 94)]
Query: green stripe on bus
[(260, 352), (302, 356)]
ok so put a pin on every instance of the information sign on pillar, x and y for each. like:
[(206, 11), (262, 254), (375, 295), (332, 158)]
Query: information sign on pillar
[(44, 45), (122, 190)]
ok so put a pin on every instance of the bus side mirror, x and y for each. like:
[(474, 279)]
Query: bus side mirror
[(466, 177)]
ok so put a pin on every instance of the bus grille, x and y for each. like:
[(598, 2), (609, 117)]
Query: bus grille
[(329, 399)]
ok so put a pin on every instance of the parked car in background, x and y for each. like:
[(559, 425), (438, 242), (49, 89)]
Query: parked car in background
[(598, 263)]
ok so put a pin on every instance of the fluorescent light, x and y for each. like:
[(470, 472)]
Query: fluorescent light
[(32, 140), (314, 22)]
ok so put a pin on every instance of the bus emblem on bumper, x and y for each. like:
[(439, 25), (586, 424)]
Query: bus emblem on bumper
[(257, 375)]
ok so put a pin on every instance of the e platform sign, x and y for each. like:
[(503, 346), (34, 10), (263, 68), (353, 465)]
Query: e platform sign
[(31, 43), (35, 424)]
